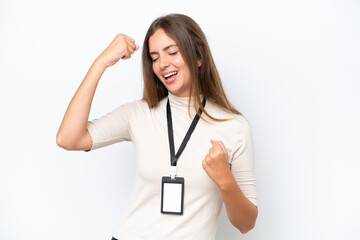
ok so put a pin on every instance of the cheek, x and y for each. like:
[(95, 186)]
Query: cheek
[(156, 70), (179, 62)]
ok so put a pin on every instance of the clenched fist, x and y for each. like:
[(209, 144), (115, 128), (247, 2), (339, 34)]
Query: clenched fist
[(216, 163), (120, 48)]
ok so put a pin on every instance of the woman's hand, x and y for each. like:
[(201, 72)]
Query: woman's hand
[(120, 48), (240, 211), (216, 164)]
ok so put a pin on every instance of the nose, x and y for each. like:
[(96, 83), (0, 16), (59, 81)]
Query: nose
[(164, 63)]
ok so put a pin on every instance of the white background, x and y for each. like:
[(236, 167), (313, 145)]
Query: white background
[(291, 67)]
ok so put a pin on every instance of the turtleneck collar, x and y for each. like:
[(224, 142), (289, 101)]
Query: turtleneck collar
[(180, 104)]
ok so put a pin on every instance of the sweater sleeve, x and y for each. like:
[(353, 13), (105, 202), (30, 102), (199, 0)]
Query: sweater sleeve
[(242, 163), (111, 128)]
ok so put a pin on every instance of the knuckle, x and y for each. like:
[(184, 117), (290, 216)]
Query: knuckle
[(203, 164)]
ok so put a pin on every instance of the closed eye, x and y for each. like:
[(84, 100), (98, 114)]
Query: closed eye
[(173, 53), (153, 60)]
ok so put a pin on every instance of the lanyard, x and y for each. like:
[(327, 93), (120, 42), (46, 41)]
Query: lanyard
[(173, 157)]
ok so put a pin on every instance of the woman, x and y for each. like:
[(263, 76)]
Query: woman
[(180, 83)]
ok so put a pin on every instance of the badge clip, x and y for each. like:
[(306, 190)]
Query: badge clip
[(172, 172)]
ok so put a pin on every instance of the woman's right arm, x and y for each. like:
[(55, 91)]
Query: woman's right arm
[(73, 133)]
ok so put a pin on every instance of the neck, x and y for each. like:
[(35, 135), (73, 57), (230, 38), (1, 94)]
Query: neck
[(180, 104)]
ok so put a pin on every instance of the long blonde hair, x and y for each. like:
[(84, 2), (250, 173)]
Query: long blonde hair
[(193, 46)]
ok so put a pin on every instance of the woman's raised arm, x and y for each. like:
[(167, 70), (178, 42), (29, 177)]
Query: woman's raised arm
[(73, 133)]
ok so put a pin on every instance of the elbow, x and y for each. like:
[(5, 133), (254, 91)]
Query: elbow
[(250, 224), (71, 143), (247, 228), (61, 142)]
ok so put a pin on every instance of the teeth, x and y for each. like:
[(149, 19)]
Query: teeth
[(170, 74)]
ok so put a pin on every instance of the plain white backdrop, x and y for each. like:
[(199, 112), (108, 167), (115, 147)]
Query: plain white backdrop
[(291, 68)]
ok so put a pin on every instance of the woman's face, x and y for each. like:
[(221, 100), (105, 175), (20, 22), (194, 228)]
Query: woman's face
[(168, 64)]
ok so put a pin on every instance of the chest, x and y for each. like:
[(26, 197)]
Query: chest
[(151, 143)]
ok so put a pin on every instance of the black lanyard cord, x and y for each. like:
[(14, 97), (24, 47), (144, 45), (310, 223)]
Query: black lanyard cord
[(173, 157)]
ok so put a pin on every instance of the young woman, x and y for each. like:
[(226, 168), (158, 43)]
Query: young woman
[(194, 151)]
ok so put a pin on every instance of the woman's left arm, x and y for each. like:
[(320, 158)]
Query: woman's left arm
[(241, 212)]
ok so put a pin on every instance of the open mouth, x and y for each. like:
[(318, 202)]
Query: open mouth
[(169, 75)]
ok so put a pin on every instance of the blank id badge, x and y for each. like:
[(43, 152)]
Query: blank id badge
[(172, 195)]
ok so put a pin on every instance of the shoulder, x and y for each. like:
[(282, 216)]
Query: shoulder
[(237, 128), (138, 103), (218, 111), (134, 106), (143, 104), (139, 109)]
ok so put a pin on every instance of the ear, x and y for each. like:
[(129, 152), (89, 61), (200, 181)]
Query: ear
[(199, 62)]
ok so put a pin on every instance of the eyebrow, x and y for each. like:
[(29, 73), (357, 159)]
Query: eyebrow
[(164, 49)]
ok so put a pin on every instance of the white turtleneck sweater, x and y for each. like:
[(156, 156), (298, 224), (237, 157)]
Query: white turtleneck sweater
[(147, 129)]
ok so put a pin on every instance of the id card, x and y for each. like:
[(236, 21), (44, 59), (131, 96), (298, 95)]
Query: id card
[(172, 195)]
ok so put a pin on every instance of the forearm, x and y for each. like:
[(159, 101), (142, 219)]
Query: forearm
[(74, 123), (241, 212)]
